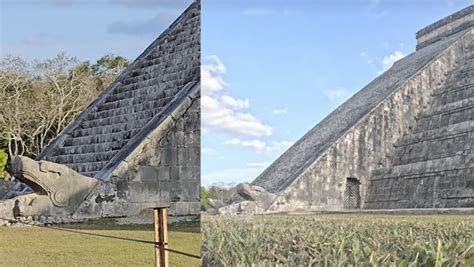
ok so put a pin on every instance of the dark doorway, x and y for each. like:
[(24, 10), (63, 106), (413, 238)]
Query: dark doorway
[(352, 194)]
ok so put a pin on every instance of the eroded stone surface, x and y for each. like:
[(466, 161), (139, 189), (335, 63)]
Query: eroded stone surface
[(432, 167), (258, 194), (58, 190), (216, 203), (422, 103), (140, 137), (240, 208)]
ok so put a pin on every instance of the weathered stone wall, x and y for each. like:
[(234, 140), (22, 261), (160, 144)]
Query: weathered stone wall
[(141, 93), (4, 188), (163, 170), (433, 166), (445, 27), (370, 143), (168, 171)]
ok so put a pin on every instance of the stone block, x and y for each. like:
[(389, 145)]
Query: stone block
[(183, 156), (164, 173), (185, 173), (194, 155), (138, 192), (182, 208), (174, 173), (147, 174)]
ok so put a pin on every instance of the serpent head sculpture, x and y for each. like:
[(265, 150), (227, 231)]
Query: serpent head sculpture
[(58, 190)]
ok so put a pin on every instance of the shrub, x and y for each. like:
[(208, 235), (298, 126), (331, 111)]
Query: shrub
[(3, 162), (205, 195)]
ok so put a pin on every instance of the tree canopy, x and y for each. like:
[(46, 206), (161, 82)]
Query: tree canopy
[(39, 98)]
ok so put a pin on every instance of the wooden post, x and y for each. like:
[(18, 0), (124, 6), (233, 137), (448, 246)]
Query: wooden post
[(161, 236)]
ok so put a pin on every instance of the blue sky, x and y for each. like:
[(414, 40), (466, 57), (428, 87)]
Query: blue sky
[(86, 29), (273, 69)]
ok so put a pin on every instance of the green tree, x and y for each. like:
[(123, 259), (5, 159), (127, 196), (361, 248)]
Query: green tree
[(3, 162), (39, 98), (3, 151), (108, 67), (205, 195)]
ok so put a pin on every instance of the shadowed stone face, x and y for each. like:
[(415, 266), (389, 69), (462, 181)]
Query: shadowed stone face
[(256, 193), (58, 190), (407, 136)]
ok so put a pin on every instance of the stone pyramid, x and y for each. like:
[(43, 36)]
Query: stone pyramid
[(403, 141), (141, 137), (433, 165), (141, 95)]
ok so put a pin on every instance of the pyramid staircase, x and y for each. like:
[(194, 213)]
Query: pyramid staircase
[(433, 165), (140, 94)]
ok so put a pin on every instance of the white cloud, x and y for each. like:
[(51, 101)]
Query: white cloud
[(235, 103), (256, 144), (37, 39), (388, 61), (380, 14), (31, 40), (211, 76), (260, 146), (374, 10), (280, 111), (259, 165), (225, 113), (210, 152), (259, 12), (384, 64), (232, 175), (233, 141), (338, 95)]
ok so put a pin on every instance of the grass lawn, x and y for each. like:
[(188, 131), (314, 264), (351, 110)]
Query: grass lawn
[(339, 240), (34, 246)]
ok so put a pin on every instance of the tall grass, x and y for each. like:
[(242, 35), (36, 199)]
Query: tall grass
[(338, 240)]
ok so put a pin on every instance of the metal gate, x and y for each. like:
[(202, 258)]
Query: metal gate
[(352, 194)]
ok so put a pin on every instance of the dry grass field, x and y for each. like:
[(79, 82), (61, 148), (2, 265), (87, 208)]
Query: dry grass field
[(34, 246), (339, 240)]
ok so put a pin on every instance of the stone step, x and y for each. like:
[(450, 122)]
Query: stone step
[(125, 106), (91, 148), (434, 149), (438, 133), (452, 87), (87, 167), (97, 139), (453, 95), (85, 157), (109, 129), (117, 119), (422, 168), (448, 188), (438, 108), (461, 74), (82, 168), (153, 92), (439, 120), (141, 78)]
